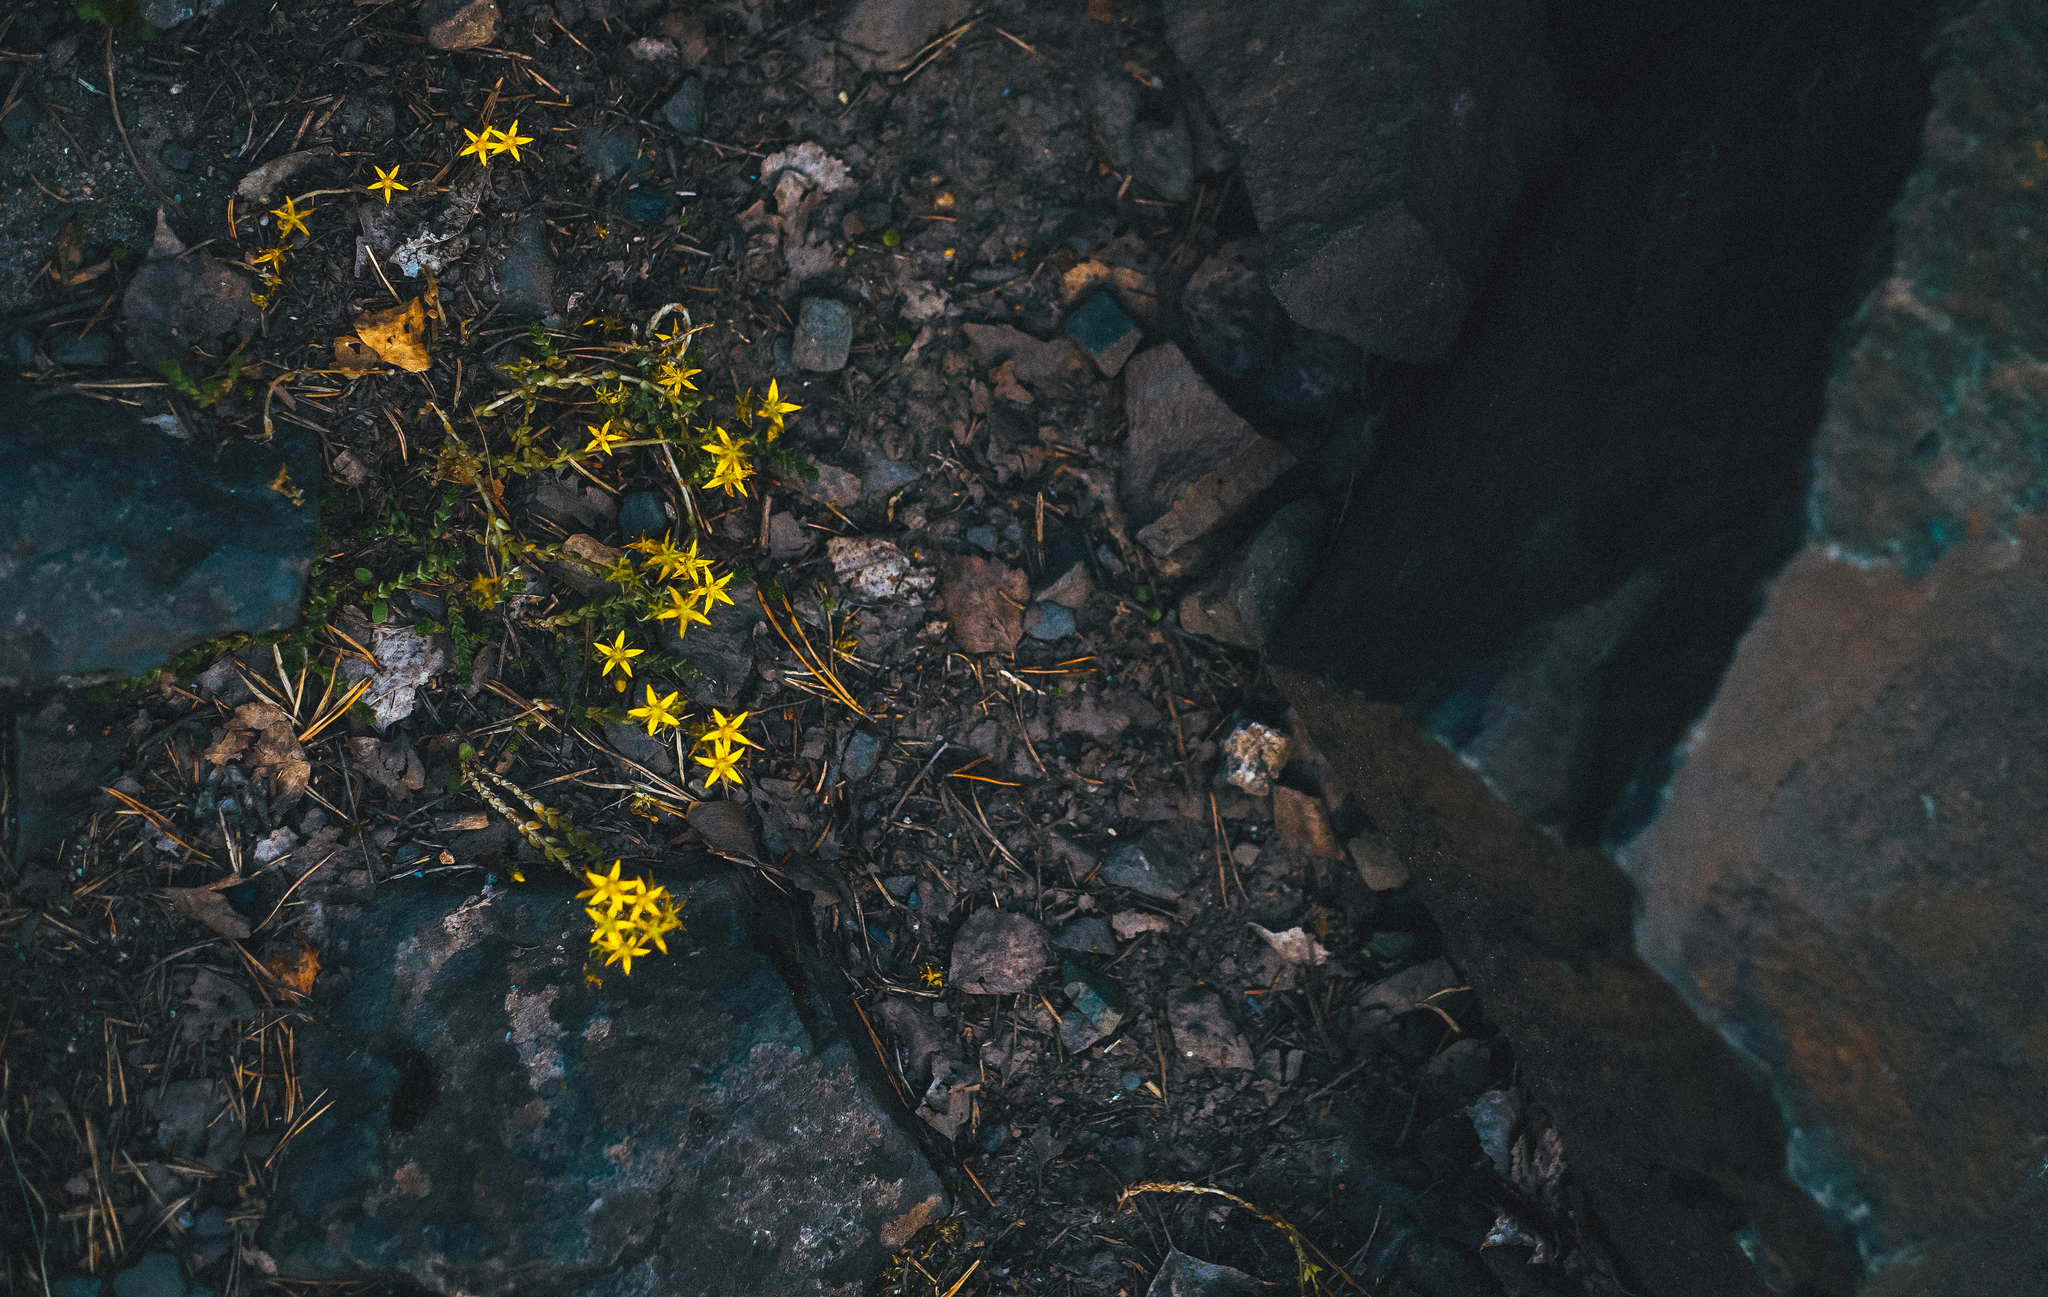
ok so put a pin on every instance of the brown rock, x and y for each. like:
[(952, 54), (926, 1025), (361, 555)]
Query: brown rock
[(998, 952), (1244, 602), (1631, 1077), (1180, 430), (985, 601), (1203, 1035), (1379, 863), (451, 25), (1303, 824)]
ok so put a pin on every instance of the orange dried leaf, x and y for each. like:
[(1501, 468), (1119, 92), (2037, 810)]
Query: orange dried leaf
[(353, 356), (296, 971), (399, 335)]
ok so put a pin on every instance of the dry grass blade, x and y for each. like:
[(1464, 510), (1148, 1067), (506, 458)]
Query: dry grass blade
[(808, 656), (348, 700), (156, 818), (962, 1280), (1299, 1241)]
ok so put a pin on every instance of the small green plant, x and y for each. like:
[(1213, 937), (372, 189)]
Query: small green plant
[(211, 390), (122, 17)]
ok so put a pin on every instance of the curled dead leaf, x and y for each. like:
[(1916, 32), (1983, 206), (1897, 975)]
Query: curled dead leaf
[(295, 970), (261, 734), (352, 356), (724, 828), (207, 906), (398, 334)]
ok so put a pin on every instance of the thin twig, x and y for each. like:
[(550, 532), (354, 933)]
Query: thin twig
[(133, 160)]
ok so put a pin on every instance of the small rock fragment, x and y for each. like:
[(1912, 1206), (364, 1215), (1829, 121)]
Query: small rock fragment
[(462, 821), (1294, 945), (1379, 864), (874, 570), (786, 539), (1495, 1116), (642, 513), (1245, 602), (390, 764), (582, 565), (835, 486), (451, 25), (1129, 925), (1048, 621), (1203, 1034), (177, 302), (998, 952), (156, 1275), (985, 601), (1253, 757), (634, 742), (1151, 866), (1071, 590), (1090, 935), (261, 182), (1303, 823), (863, 749), (684, 111), (1099, 1006), (882, 35), (796, 173), (1105, 333), (1180, 1275), (409, 660), (824, 335), (1390, 997)]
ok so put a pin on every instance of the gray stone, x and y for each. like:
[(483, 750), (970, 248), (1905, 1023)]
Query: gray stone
[(606, 153), (1496, 1115), (1155, 865), (1104, 332), (178, 301), (1383, 216), (824, 335), (156, 1275), (73, 1285), (1190, 462), (1048, 621), (166, 14), (882, 35), (456, 25), (998, 952), (1243, 603), (706, 1124), (863, 749), (684, 111), (1071, 590), (1203, 1035), (982, 538), (834, 486), (786, 538), (106, 574), (1163, 158), (1089, 934), (643, 513), (721, 651), (634, 741), (67, 348), (1180, 1275), (526, 272)]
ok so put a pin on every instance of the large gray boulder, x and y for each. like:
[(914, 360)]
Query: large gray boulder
[(1385, 144), (1722, 550), (503, 1125), (122, 544)]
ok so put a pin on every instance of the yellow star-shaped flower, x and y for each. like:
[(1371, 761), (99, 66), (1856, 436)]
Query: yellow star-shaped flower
[(387, 182), (731, 468), (673, 378), (610, 891), (616, 655), (725, 731), (658, 712), (680, 609), (626, 952), (724, 764), (290, 218), (603, 438), (711, 591), (481, 147), (510, 140), (271, 257), (773, 408)]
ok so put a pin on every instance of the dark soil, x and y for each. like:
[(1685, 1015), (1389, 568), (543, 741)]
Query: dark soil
[(987, 165)]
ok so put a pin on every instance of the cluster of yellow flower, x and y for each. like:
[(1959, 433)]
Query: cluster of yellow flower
[(492, 142), (668, 563), (626, 915), (724, 740)]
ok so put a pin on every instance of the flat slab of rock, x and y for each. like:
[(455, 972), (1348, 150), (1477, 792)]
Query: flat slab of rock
[(1383, 217), (500, 1125), (998, 952), (985, 600), (121, 545)]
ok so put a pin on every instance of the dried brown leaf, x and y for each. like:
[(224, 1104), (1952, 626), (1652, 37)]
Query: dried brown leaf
[(206, 906), (398, 334)]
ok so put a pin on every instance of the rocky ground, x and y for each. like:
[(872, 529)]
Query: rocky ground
[(1059, 463)]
